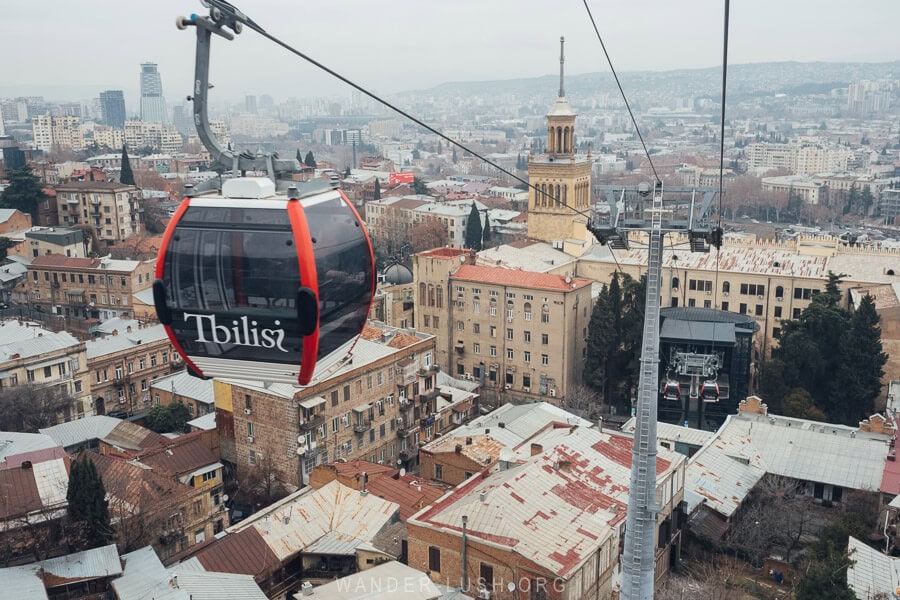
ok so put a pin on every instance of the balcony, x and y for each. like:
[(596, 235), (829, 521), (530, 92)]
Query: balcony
[(429, 395), (407, 454), (402, 431), (362, 426), (405, 405), (312, 422)]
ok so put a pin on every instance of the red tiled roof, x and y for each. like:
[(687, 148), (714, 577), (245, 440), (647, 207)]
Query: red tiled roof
[(406, 492), (407, 203), (244, 552), (58, 260), (516, 278)]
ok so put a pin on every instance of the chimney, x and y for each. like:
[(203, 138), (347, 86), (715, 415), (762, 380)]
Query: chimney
[(306, 589), (128, 329), (26, 464), (501, 425), (536, 449), (565, 466), (468, 441), (458, 449), (365, 480), (115, 332)]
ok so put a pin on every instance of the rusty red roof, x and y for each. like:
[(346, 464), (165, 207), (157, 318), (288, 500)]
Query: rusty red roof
[(135, 485), (521, 279), (244, 552), (20, 493), (444, 253), (58, 260), (181, 456), (411, 493)]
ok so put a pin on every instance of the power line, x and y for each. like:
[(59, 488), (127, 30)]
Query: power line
[(257, 28), (621, 91)]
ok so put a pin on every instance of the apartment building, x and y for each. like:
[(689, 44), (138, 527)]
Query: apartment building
[(31, 355), (522, 334), (350, 410), (41, 241), (124, 363), (800, 157), (12, 220), (110, 208), (389, 220), (195, 393), (57, 133), (544, 525), (769, 281), (90, 288)]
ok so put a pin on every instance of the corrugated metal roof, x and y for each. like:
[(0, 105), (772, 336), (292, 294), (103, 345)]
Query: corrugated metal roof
[(870, 572), (28, 341), (12, 443), (96, 563), (243, 552), (129, 436), (205, 423), (334, 543), (385, 582), (675, 433), (675, 329), (517, 278), (410, 493), (20, 493), (186, 385), (124, 340), (555, 516), (520, 422), (180, 456), (72, 433), (217, 586), (22, 582), (145, 577), (747, 446)]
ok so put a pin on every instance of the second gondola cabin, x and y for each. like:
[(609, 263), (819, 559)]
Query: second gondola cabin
[(257, 285)]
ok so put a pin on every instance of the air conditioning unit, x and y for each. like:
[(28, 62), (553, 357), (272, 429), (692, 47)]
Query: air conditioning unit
[(553, 392), (508, 386), (726, 294), (345, 420), (526, 389), (249, 439), (484, 594), (400, 422), (248, 411), (779, 298)]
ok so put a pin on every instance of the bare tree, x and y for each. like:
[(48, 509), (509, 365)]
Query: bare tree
[(582, 401), (258, 484), (427, 234), (717, 579), (27, 408)]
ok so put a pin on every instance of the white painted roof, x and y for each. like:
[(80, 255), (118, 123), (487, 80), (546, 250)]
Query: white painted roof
[(28, 340), (747, 446), (207, 422), (81, 430), (185, 385), (12, 443), (334, 509), (675, 433), (124, 340), (870, 572), (520, 422), (538, 258)]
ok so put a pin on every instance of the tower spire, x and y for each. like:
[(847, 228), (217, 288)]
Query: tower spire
[(562, 60)]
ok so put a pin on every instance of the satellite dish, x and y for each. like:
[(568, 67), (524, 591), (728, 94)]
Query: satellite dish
[(402, 472), (225, 498), (511, 587), (301, 440)]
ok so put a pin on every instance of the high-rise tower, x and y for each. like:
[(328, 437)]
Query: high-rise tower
[(112, 107), (563, 178), (153, 104)]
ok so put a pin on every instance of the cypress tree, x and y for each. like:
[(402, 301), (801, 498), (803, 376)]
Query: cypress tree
[(454, 155), (126, 175), (24, 192), (310, 160), (87, 505), (299, 156), (486, 233), (473, 229), (377, 189)]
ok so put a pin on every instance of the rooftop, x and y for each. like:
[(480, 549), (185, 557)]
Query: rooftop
[(871, 573), (93, 186), (181, 456), (26, 340), (32, 581), (482, 449), (526, 255), (519, 279), (387, 581), (59, 261), (512, 424), (123, 340), (557, 507), (185, 385)]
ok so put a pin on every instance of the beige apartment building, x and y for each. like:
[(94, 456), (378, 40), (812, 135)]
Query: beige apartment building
[(359, 409), (123, 364), (521, 334), (31, 355), (109, 207), (98, 288), (767, 280)]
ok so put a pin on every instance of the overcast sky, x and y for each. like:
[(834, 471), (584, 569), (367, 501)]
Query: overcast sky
[(414, 44)]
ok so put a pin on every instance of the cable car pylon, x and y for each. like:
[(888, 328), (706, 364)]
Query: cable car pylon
[(630, 214)]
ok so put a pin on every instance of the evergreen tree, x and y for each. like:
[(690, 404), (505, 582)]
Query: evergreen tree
[(126, 175), (440, 149), (486, 232), (377, 190), (346, 172), (862, 366), (473, 229), (419, 186), (168, 418), (310, 160), (454, 159), (5, 245), (853, 200), (415, 154), (299, 156), (24, 192), (87, 505), (866, 200)]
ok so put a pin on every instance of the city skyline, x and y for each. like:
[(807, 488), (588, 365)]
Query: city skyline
[(440, 44)]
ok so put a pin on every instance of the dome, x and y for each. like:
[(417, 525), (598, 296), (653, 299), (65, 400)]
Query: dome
[(396, 274)]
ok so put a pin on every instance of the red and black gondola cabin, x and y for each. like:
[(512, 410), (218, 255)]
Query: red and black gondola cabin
[(258, 286)]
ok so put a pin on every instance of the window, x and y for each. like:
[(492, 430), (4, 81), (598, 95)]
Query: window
[(509, 334), (346, 393), (476, 305), (486, 577), (493, 308), (493, 350), (476, 348), (776, 332), (528, 311), (493, 331), (460, 326), (545, 359), (545, 338), (527, 357), (48, 372), (726, 287), (250, 428), (153, 359), (434, 559), (439, 472), (252, 457), (675, 283), (777, 312), (143, 385), (779, 292), (527, 335), (248, 402), (142, 363), (476, 328), (427, 320), (509, 354), (724, 306), (165, 357), (759, 310), (692, 302), (796, 313)]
